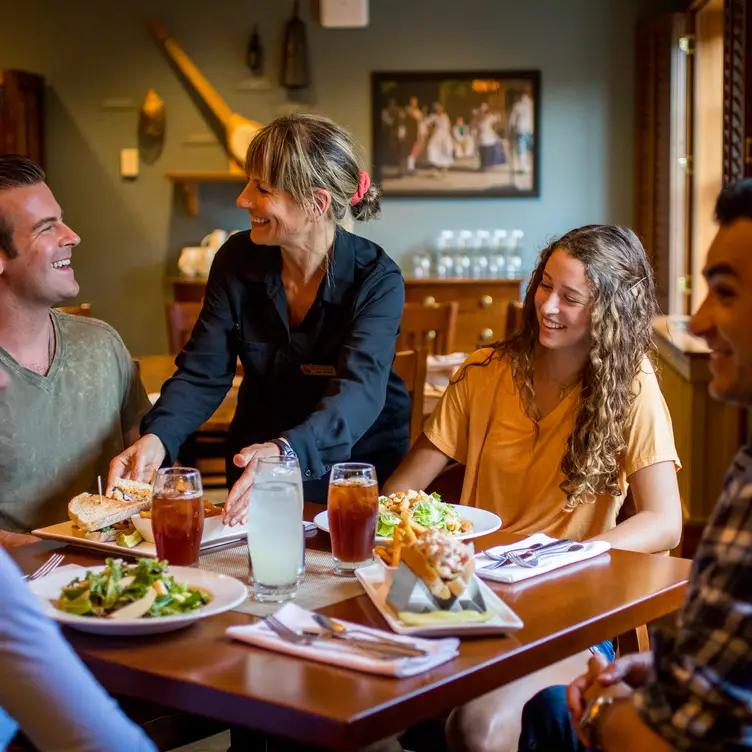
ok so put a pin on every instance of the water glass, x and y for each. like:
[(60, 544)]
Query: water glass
[(177, 514), (275, 529), (353, 511)]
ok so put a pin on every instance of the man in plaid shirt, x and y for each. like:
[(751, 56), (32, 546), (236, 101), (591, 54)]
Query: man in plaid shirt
[(694, 691)]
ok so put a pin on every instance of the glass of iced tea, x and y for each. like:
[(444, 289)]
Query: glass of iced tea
[(177, 514), (352, 509)]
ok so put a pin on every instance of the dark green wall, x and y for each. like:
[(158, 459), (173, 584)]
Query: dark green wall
[(94, 50)]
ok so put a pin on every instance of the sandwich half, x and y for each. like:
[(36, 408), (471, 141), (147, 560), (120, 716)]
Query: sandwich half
[(100, 518), (131, 490)]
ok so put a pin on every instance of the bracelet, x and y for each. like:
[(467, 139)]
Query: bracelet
[(592, 719)]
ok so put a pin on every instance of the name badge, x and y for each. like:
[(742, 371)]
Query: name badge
[(311, 369)]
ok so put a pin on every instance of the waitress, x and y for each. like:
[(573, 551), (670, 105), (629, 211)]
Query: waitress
[(311, 310)]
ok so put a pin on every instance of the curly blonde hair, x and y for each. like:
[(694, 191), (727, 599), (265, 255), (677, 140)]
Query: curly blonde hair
[(622, 310)]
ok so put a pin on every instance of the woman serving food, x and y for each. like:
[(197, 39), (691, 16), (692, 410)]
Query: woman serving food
[(311, 310), (555, 425)]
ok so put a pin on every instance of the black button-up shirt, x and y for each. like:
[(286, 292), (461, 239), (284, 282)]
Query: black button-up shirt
[(327, 385)]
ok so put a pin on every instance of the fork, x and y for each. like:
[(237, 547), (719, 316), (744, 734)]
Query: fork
[(532, 561), (501, 560), (298, 638), (48, 567)]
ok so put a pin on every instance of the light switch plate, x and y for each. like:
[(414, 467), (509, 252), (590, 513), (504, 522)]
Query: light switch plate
[(129, 163), (343, 14)]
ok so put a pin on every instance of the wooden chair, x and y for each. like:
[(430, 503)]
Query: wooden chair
[(411, 366), (78, 310), (514, 317), (430, 326), (181, 318)]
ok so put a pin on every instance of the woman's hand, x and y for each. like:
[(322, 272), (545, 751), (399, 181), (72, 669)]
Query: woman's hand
[(236, 506), (138, 461)]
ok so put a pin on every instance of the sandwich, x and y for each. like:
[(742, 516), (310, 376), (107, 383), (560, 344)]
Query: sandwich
[(445, 564), (131, 490), (105, 520)]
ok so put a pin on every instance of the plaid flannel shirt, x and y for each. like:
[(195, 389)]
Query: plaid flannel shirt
[(701, 698)]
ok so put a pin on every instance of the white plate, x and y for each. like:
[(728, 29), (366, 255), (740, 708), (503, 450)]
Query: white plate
[(63, 532), (483, 522), (227, 592), (503, 621)]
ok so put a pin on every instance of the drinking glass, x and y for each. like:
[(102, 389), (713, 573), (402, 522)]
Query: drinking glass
[(353, 510), (177, 514), (275, 529)]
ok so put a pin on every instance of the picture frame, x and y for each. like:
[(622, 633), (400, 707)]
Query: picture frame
[(456, 134)]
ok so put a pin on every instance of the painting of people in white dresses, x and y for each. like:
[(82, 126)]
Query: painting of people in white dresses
[(456, 134)]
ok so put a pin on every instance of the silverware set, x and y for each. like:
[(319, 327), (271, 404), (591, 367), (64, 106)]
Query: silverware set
[(373, 647), (48, 567), (530, 556)]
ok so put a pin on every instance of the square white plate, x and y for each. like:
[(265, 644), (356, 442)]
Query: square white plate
[(64, 533), (503, 621)]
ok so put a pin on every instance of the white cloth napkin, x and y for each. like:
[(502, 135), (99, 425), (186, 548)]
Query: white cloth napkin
[(513, 573), (338, 653)]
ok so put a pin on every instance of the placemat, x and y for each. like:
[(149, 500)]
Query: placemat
[(320, 587)]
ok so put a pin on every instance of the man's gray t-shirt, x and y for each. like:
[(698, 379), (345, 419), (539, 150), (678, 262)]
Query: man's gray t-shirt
[(59, 432)]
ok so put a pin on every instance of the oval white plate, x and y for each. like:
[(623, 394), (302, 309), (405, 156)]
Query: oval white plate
[(227, 592), (483, 522)]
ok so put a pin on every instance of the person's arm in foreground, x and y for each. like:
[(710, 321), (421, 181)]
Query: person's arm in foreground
[(47, 690)]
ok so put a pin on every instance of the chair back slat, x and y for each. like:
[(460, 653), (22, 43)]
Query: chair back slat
[(430, 326), (410, 365), (181, 318)]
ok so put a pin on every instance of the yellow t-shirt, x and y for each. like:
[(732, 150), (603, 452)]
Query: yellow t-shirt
[(480, 422)]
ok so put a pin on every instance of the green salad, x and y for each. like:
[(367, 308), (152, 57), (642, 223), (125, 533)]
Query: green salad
[(122, 591), (421, 510)]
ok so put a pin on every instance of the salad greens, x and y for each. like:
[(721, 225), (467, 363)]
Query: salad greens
[(104, 593), (427, 510)]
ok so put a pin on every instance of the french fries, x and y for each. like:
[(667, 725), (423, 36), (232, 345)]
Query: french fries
[(404, 535), (210, 510)]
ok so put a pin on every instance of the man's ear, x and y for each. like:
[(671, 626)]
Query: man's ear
[(323, 201)]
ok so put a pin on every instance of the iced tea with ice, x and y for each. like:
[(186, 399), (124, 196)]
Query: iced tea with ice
[(353, 510), (177, 515)]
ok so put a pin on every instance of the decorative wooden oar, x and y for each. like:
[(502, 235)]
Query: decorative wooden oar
[(238, 130)]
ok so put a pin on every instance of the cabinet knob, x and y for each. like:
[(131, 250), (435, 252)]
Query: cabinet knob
[(431, 334), (429, 300), (485, 301), (486, 334)]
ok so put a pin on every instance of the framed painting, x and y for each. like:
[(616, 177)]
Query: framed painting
[(456, 134)]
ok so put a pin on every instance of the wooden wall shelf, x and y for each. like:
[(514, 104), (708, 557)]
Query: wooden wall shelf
[(188, 183)]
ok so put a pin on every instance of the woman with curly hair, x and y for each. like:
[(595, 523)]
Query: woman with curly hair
[(554, 425)]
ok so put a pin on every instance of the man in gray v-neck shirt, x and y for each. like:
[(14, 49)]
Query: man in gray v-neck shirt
[(75, 399)]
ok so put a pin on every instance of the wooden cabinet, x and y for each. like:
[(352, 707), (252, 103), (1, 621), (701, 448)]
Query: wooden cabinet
[(708, 433), (22, 114), (483, 305)]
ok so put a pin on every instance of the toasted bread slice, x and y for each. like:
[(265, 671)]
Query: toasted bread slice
[(94, 512)]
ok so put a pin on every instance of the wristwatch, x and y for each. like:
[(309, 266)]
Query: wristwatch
[(285, 449), (592, 719)]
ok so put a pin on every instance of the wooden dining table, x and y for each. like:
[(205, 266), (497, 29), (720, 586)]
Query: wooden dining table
[(156, 369), (200, 670)]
